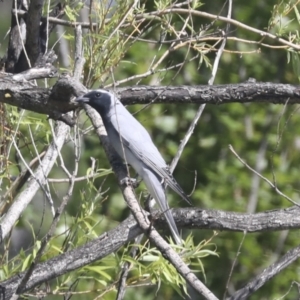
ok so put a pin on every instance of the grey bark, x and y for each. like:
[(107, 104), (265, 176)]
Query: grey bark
[(57, 102), (187, 218)]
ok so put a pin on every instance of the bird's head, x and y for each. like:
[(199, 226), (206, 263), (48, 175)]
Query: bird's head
[(101, 100)]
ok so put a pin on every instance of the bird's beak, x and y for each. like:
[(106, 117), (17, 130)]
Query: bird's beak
[(82, 99)]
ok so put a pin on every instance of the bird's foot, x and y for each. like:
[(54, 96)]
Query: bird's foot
[(149, 204), (130, 181)]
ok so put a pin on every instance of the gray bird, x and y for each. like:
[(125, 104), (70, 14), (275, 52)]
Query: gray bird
[(134, 144)]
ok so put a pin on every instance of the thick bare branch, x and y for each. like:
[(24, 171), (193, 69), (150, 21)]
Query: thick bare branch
[(74, 259), (32, 50), (36, 73), (185, 217), (58, 101), (79, 59), (248, 92), (271, 220), (29, 35), (17, 34), (55, 102), (33, 29)]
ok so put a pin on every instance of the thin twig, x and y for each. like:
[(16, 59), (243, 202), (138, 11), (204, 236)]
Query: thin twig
[(262, 177), (126, 268), (218, 17), (234, 263), (39, 179), (202, 106), (77, 179), (18, 183), (150, 72), (47, 188), (175, 10)]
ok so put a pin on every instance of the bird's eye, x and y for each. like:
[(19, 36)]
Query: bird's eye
[(98, 95)]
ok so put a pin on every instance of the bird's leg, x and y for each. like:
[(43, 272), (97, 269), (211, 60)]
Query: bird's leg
[(149, 204), (134, 182), (149, 207)]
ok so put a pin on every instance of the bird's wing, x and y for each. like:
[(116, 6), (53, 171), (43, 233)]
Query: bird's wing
[(137, 140), (157, 191)]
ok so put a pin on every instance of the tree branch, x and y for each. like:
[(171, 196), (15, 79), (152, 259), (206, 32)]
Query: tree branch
[(183, 11), (267, 274), (58, 101), (66, 199), (271, 220), (17, 34), (36, 73), (102, 246), (141, 217), (33, 46), (126, 231), (35, 182), (29, 34), (32, 50), (46, 28)]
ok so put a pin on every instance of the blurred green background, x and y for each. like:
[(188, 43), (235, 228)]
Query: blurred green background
[(265, 135)]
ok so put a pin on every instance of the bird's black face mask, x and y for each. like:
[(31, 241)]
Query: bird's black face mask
[(99, 100)]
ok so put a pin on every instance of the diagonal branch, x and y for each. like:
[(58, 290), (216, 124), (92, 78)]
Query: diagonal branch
[(34, 183), (121, 172), (259, 280), (102, 246), (126, 231)]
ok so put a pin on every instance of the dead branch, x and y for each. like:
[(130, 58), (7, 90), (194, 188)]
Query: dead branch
[(111, 241), (58, 101)]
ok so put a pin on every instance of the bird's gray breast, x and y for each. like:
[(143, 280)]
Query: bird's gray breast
[(122, 147)]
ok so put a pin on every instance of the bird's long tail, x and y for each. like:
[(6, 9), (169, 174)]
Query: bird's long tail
[(157, 191)]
